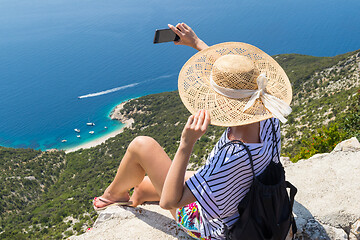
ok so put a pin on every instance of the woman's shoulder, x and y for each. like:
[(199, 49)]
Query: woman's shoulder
[(224, 160), (228, 152), (267, 127), (267, 123)]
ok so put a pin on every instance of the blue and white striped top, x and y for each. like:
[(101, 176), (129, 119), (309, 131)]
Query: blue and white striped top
[(226, 177)]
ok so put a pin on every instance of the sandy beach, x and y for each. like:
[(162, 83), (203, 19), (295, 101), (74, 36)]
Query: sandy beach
[(100, 140), (114, 115)]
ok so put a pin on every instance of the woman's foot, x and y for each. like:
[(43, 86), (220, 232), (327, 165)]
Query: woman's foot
[(101, 203), (106, 200)]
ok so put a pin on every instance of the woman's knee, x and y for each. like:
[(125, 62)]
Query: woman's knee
[(142, 143)]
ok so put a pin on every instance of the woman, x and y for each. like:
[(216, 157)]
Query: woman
[(235, 85)]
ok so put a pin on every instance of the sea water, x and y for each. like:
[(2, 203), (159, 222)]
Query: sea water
[(64, 63)]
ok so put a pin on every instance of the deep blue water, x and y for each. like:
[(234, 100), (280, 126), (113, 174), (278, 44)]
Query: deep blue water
[(52, 52)]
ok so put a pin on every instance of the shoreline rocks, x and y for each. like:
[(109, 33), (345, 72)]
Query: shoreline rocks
[(123, 118), (117, 115)]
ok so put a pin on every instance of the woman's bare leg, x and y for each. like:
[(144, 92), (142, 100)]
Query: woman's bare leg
[(144, 155), (145, 191)]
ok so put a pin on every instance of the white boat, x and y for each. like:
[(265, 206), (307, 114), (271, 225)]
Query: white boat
[(90, 124), (77, 130), (78, 136), (91, 132), (105, 127), (64, 140)]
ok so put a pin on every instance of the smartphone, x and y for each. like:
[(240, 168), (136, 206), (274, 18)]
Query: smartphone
[(165, 35)]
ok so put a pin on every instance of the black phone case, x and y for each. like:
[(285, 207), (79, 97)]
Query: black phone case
[(165, 35)]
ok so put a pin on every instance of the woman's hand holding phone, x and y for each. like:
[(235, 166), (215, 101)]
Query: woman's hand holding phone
[(187, 37)]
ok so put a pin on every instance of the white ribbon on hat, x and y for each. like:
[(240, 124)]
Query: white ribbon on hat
[(276, 106)]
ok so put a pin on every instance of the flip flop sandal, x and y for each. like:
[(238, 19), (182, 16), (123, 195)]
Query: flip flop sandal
[(151, 203), (109, 203)]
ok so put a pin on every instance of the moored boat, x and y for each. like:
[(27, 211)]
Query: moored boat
[(91, 132)]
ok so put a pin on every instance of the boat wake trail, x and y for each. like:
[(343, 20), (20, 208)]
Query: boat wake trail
[(162, 77), (123, 87), (108, 91)]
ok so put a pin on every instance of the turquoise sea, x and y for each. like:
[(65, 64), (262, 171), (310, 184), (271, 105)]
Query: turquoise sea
[(52, 52)]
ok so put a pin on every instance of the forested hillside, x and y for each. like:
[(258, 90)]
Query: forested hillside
[(325, 102), (48, 195)]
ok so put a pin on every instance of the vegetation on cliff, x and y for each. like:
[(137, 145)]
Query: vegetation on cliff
[(48, 195)]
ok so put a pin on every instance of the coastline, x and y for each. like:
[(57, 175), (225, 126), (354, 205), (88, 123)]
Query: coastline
[(114, 115)]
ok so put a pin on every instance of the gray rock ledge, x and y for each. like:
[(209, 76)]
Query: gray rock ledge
[(327, 204)]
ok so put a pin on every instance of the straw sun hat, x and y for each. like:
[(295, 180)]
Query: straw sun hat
[(237, 83)]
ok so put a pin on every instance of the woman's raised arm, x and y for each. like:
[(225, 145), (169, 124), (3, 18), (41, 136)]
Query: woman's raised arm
[(175, 193), (188, 37)]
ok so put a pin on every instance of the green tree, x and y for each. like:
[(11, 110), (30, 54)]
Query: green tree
[(324, 140)]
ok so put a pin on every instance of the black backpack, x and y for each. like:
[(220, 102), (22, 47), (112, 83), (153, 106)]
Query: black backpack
[(266, 210)]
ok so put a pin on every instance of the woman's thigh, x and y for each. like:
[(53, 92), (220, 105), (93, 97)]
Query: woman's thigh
[(153, 159), (189, 174), (155, 162)]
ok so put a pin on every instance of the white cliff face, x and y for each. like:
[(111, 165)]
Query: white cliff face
[(328, 198), (327, 203)]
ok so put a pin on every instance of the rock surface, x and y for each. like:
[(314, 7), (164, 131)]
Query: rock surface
[(350, 145), (144, 222), (327, 203)]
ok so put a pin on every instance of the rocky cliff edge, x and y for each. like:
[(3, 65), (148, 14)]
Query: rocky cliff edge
[(327, 203)]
